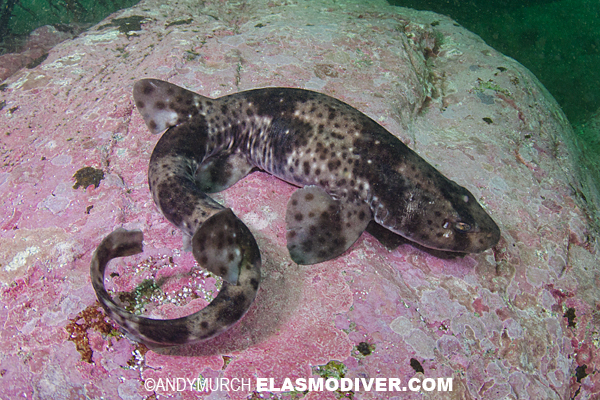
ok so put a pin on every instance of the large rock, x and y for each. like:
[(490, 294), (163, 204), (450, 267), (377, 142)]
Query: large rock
[(518, 321), (35, 48)]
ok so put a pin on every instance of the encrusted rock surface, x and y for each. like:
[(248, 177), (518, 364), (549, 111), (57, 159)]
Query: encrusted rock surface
[(35, 48), (518, 321)]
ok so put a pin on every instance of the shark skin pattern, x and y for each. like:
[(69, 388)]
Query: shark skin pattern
[(351, 171)]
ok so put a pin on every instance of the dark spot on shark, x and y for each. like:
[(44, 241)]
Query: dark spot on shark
[(147, 89), (175, 333), (306, 167)]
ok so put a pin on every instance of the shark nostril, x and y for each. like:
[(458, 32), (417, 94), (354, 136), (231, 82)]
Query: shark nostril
[(462, 227)]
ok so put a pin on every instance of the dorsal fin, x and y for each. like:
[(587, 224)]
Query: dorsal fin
[(163, 104)]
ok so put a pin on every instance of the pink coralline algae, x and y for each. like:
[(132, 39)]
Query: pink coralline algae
[(519, 321)]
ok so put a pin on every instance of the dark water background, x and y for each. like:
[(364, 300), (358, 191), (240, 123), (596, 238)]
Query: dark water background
[(559, 41)]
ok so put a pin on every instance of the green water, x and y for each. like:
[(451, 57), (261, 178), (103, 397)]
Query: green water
[(559, 41), (19, 17)]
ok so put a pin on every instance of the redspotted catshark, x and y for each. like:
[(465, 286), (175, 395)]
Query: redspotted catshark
[(350, 172)]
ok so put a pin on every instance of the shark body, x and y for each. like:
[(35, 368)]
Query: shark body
[(351, 172)]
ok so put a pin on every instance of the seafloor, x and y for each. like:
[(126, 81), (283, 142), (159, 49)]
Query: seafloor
[(519, 321)]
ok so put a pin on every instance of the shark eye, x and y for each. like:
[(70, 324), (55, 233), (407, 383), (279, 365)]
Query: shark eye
[(462, 227)]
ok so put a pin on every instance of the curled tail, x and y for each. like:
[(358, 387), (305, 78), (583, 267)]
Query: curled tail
[(224, 245)]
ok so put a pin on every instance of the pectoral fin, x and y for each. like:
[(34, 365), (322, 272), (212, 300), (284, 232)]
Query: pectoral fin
[(163, 104), (320, 228)]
